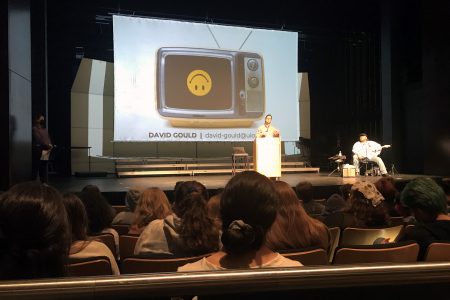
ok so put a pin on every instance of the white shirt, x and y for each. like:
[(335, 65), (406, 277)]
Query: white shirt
[(94, 249), (204, 265), (367, 149), (264, 131)]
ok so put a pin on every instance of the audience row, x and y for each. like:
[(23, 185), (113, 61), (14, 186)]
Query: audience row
[(246, 225)]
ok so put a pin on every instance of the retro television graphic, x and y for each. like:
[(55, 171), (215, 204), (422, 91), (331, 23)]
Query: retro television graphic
[(214, 88)]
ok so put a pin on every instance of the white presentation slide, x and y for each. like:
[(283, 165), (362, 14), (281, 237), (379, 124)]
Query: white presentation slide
[(185, 81)]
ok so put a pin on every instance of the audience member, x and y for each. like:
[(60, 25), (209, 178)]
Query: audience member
[(293, 228), (335, 203), (390, 193), (338, 201), (345, 191), (213, 207), (34, 232), (428, 203), (41, 149), (248, 208), (188, 231), (131, 198), (152, 205), (366, 209), (304, 191), (81, 246), (446, 187), (100, 213)]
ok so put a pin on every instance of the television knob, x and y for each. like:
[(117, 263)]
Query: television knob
[(253, 82), (252, 64)]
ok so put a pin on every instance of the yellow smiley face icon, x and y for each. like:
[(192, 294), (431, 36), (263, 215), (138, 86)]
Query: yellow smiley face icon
[(199, 82)]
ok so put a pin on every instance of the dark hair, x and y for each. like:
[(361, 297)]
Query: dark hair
[(100, 213), (77, 216), (365, 212), (345, 190), (132, 197), (185, 188), (177, 185), (387, 188), (425, 194), (37, 116), (34, 232), (304, 191), (198, 231), (446, 185), (362, 134), (248, 208), (268, 115)]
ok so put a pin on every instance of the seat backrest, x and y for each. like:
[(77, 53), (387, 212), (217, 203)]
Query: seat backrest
[(107, 239), (119, 208), (335, 234), (127, 243), (367, 236), (387, 253), (320, 201), (239, 150), (134, 265), (438, 251), (92, 266), (312, 257), (121, 228), (409, 227), (395, 221)]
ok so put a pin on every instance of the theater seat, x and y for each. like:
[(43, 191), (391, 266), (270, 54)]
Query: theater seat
[(395, 221), (369, 236), (119, 208), (107, 239), (335, 234), (134, 265), (309, 257), (438, 251), (121, 228), (92, 266), (127, 243), (388, 253)]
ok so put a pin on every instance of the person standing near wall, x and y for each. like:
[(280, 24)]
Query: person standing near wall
[(42, 146)]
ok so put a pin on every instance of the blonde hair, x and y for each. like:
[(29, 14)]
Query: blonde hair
[(213, 207), (152, 204)]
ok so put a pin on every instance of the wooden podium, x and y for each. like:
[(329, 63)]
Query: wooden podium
[(267, 156)]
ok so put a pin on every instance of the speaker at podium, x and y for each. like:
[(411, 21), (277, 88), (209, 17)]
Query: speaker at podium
[(267, 156)]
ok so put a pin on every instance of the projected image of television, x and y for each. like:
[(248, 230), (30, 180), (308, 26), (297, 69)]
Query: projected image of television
[(208, 84), (184, 81), (189, 81)]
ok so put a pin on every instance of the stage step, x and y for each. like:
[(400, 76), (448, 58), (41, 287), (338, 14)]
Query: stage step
[(134, 167)]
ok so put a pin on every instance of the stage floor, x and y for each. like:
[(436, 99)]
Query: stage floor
[(111, 184)]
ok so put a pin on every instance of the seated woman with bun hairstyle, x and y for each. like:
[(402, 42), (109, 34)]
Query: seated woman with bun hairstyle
[(248, 208)]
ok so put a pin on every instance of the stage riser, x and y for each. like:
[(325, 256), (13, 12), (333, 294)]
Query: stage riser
[(202, 172), (191, 167)]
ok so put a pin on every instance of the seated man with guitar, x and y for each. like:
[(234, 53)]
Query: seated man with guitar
[(368, 150)]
